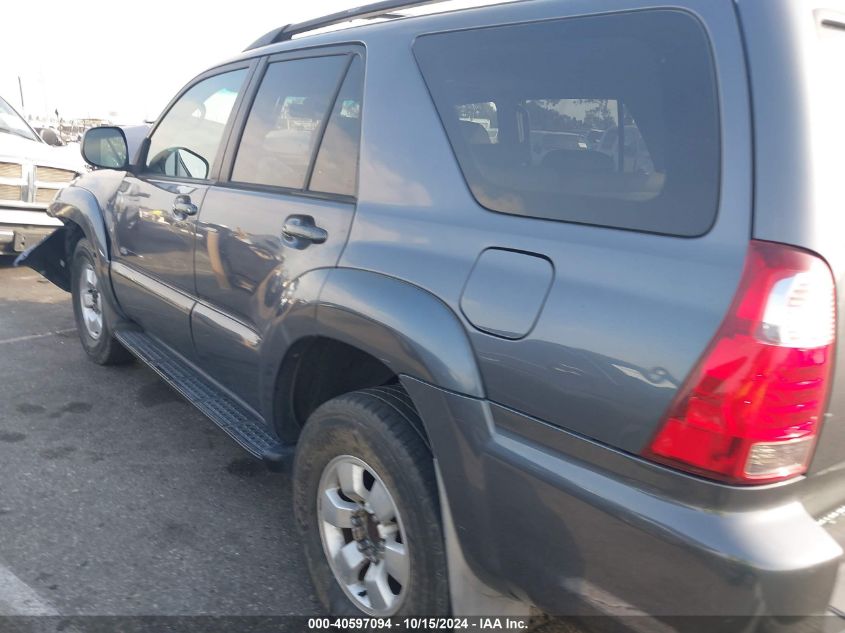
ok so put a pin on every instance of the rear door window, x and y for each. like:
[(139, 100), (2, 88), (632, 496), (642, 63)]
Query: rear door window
[(336, 166), (285, 121), (608, 120)]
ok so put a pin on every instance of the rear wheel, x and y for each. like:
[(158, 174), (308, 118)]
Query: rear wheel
[(365, 499), (93, 317)]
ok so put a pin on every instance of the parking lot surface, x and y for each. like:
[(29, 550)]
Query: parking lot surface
[(118, 498)]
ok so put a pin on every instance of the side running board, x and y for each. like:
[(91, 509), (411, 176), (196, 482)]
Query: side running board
[(236, 420)]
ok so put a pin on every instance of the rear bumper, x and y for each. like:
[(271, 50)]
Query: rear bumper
[(576, 528)]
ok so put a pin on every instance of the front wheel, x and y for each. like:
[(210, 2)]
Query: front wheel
[(365, 499), (93, 318)]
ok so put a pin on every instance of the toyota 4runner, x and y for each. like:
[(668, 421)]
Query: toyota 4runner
[(513, 368)]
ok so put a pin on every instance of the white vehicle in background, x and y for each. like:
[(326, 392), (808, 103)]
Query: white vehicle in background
[(31, 173), (637, 158), (545, 141)]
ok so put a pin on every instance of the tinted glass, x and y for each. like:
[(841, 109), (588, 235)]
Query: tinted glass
[(285, 120), (186, 141), (336, 169), (536, 114)]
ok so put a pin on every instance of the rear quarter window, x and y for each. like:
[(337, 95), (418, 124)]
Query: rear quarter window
[(607, 120)]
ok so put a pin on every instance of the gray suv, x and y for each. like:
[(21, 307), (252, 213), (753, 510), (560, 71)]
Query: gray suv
[(514, 371)]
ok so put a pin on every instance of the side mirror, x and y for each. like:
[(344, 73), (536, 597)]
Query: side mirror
[(192, 165), (50, 137), (180, 162), (105, 148)]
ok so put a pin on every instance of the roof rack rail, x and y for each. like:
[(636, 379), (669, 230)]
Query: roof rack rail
[(365, 12)]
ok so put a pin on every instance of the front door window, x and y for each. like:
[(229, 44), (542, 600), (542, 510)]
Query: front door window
[(187, 140)]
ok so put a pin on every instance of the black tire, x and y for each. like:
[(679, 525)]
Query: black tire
[(380, 427), (105, 349)]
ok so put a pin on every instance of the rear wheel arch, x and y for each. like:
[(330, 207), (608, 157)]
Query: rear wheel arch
[(350, 329), (407, 327), (318, 369)]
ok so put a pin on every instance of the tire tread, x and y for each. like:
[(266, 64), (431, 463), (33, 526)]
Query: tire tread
[(382, 417)]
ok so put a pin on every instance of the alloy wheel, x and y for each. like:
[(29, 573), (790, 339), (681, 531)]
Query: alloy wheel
[(363, 537), (90, 301)]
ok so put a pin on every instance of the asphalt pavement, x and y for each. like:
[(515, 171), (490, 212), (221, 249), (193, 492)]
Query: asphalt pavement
[(118, 498)]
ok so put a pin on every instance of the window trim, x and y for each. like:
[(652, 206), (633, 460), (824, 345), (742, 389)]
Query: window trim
[(250, 65), (275, 189), (224, 178)]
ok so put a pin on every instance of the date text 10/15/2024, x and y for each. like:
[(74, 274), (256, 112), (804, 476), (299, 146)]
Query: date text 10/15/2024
[(419, 624)]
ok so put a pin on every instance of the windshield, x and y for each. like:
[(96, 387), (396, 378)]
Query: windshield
[(12, 123)]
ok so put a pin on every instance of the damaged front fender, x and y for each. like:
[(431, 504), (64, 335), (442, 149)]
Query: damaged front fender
[(49, 258), (81, 211)]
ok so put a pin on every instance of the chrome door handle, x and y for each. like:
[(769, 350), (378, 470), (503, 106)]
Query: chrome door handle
[(301, 228), (183, 207)]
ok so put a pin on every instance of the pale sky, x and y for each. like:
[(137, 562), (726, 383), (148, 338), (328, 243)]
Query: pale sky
[(125, 60)]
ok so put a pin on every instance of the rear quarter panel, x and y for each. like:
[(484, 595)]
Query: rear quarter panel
[(628, 313)]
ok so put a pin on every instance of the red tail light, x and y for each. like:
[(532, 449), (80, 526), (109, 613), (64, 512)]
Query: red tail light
[(751, 410)]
